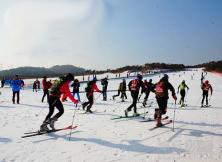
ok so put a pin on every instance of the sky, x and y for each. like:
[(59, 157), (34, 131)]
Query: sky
[(106, 34)]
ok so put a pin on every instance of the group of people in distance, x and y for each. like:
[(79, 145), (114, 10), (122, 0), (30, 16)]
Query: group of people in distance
[(58, 91)]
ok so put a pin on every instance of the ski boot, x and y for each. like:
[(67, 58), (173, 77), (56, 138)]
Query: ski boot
[(159, 123), (156, 114), (136, 114), (43, 127), (126, 113), (83, 106), (52, 122)]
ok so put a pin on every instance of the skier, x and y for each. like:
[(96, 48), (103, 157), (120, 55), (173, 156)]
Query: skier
[(161, 90), (182, 87), (58, 88), (2, 82), (34, 87), (75, 90), (148, 86), (46, 85), (134, 87), (16, 87), (38, 84), (90, 89), (104, 83), (202, 77), (206, 87), (122, 90)]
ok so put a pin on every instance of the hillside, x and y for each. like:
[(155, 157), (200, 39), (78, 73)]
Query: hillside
[(31, 72)]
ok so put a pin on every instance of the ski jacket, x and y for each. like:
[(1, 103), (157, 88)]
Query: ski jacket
[(207, 87), (161, 89), (182, 87), (75, 86), (64, 91), (46, 84), (16, 85), (134, 85)]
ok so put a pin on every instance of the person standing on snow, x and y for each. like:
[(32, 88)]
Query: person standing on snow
[(75, 90), (90, 89), (148, 86), (59, 88), (206, 87), (16, 87), (104, 83), (161, 90), (134, 87), (34, 87), (45, 86), (122, 90), (182, 87)]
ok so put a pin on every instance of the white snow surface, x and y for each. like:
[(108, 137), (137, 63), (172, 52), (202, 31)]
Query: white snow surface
[(197, 136)]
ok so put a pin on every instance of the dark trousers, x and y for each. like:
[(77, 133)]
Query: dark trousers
[(117, 94), (13, 96), (147, 95), (182, 94), (205, 95), (89, 103), (104, 94), (123, 94), (162, 103), (45, 93), (134, 95), (54, 102)]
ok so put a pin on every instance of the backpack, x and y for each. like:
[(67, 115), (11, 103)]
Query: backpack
[(134, 85), (159, 89), (56, 85), (89, 87)]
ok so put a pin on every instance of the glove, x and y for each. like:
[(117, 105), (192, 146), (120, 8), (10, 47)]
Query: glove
[(175, 97)]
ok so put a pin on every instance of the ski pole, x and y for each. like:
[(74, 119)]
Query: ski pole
[(174, 112), (72, 123)]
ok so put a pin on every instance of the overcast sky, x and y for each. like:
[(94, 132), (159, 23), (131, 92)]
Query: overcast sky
[(102, 34)]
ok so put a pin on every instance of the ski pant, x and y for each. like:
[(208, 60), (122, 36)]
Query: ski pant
[(13, 96), (77, 94), (123, 94), (134, 95), (89, 102), (147, 95), (104, 94), (45, 93), (182, 94), (205, 95), (162, 103), (54, 101), (117, 94)]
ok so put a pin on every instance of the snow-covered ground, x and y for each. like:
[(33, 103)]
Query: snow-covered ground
[(197, 136)]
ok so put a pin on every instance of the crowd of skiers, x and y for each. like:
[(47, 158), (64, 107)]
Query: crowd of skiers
[(58, 91)]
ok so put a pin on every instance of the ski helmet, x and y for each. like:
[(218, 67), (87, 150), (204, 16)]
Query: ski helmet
[(183, 81), (150, 80), (165, 76), (69, 77), (139, 76), (206, 82)]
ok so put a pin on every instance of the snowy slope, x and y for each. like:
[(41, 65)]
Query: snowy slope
[(197, 136)]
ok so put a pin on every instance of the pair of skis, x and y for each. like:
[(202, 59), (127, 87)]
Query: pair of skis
[(37, 133)]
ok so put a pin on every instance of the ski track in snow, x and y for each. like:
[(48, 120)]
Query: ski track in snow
[(197, 136)]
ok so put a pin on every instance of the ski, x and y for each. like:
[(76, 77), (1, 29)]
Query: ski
[(168, 122), (151, 119), (37, 133), (205, 106), (121, 117)]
